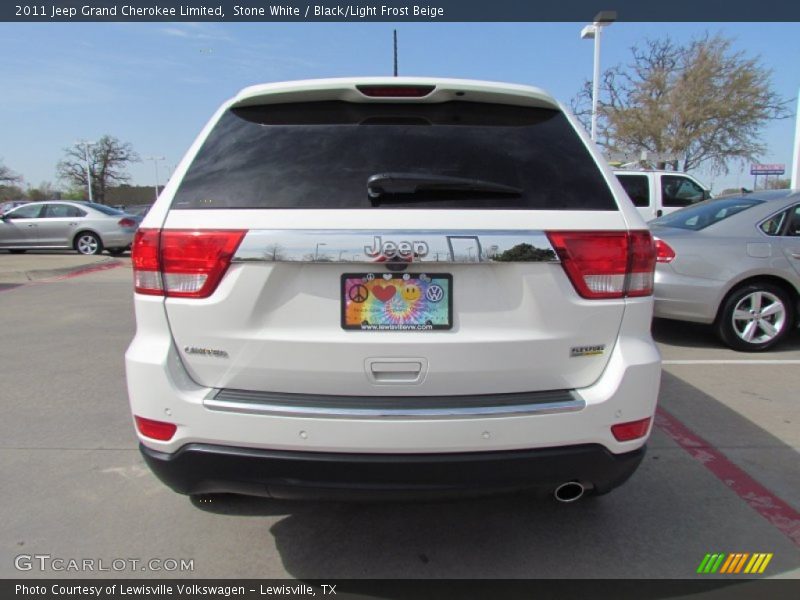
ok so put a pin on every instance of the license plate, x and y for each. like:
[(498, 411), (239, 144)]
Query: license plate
[(397, 302)]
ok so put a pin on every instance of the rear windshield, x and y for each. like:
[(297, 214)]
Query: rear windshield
[(321, 154), (700, 216), (105, 209)]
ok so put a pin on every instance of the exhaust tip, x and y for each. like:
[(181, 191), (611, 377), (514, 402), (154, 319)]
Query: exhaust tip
[(570, 491)]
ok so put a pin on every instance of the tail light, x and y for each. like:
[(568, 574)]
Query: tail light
[(607, 264), (182, 263), (664, 252), (157, 430), (633, 430), (395, 91), (126, 222)]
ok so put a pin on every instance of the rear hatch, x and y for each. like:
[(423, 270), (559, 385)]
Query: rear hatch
[(328, 203)]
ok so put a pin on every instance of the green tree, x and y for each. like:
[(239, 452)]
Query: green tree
[(108, 161), (702, 103), (45, 191)]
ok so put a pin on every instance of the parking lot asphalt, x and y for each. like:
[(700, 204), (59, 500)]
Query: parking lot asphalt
[(721, 474)]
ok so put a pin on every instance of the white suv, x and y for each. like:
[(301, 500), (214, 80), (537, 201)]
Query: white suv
[(359, 287)]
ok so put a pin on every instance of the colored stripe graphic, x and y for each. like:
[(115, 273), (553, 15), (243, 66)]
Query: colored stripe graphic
[(782, 516), (727, 564), (703, 563), (734, 563)]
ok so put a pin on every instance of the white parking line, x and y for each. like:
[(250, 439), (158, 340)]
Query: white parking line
[(731, 362)]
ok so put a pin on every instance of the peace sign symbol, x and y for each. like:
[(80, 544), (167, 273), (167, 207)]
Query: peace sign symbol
[(358, 293)]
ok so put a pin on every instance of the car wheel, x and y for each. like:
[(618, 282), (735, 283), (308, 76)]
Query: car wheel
[(755, 317), (17, 251), (116, 251), (88, 243)]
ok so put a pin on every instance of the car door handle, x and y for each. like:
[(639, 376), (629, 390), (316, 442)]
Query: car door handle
[(31, 224), (796, 255)]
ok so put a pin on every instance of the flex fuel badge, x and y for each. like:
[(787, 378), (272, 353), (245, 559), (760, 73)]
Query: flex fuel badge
[(587, 350)]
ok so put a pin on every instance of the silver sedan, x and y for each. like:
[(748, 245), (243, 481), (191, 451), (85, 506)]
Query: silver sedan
[(732, 262), (83, 226)]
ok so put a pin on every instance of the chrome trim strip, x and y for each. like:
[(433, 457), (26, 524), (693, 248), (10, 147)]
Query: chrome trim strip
[(394, 245), (248, 403)]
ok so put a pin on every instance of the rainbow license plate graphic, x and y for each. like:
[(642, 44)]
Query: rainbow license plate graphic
[(397, 302)]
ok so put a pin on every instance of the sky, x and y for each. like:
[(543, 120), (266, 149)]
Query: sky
[(156, 84)]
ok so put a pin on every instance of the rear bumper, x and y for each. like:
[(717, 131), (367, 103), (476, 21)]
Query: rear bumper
[(208, 468)]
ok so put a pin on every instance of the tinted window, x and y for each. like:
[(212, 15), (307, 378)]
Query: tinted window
[(704, 214), (679, 191), (105, 209), (63, 211), (320, 155), (637, 187), (25, 212)]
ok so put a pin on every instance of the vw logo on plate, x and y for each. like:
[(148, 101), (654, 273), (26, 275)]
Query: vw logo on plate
[(434, 293)]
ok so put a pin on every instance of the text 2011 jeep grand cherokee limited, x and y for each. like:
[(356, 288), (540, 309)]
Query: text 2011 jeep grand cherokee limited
[(359, 287)]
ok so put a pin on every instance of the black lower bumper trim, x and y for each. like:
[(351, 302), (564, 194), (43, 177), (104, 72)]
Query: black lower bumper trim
[(206, 468)]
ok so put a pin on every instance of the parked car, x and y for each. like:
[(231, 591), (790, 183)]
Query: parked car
[(8, 205), (392, 286), (657, 193), (85, 226), (138, 210), (733, 262)]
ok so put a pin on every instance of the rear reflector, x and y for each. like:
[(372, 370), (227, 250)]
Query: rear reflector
[(625, 432), (182, 263), (395, 91), (664, 252), (607, 264), (157, 430)]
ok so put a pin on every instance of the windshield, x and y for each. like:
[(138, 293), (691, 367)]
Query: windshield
[(699, 216), (323, 154)]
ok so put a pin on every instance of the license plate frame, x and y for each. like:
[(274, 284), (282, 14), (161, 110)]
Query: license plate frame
[(364, 308)]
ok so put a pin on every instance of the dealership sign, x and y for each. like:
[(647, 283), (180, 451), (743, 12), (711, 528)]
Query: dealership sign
[(767, 169)]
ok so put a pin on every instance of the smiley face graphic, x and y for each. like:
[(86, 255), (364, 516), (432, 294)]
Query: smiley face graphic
[(410, 292)]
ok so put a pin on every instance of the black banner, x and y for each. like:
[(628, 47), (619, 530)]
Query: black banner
[(398, 11)]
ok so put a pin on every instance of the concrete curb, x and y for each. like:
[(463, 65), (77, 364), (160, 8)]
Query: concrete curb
[(23, 277)]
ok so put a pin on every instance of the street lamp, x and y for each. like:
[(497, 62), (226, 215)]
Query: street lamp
[(85, 145), (155, 160), (593, 32), (316, 250)]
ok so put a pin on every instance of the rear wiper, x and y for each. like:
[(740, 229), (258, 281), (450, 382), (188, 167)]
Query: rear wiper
[(384, 184)]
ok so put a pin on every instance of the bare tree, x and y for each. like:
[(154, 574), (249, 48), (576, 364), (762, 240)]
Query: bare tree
[(108, 160), (7, 176), (702, 103)]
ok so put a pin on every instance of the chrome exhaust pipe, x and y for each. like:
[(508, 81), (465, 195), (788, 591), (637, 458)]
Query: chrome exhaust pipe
[(570, 491)]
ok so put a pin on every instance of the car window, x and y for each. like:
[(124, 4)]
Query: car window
[(699, 216), (774, 225), (321, 154), (637, 187), (794, 223), (63, 211), (25, 212), (677, 191)]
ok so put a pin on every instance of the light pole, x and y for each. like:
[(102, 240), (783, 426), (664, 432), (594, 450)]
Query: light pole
[(85, 145), (316, 250), (796, 154), (155, 160), (594, 32)]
